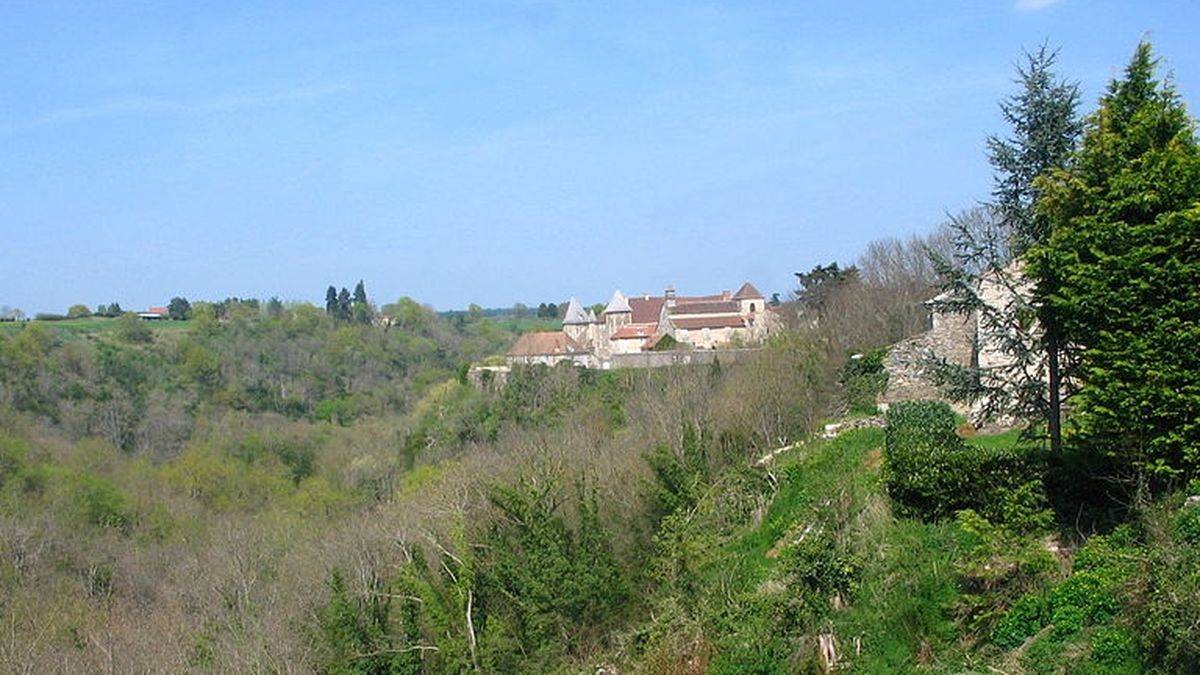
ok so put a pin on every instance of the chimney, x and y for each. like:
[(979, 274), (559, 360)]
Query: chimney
[(669, 294)]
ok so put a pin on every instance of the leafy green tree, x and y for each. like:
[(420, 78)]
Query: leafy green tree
[(78, 312), (179, 309), (134, 330), (1028, 384), (1121, 268)]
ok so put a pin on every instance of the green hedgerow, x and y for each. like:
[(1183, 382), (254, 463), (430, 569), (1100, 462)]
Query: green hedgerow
[(930, 473)]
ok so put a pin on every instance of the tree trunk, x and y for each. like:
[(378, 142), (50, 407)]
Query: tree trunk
[(1054, 393)]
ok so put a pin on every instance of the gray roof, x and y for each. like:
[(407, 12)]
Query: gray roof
[(574, 313), (618, 304)]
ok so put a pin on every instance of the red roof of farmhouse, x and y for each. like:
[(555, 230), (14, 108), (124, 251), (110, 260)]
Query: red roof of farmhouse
[(546, 343), (691, 299), (634, 331), (694, 323), (646, 308), (717, 307)]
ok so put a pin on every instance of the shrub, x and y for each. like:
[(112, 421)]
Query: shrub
[(99, 502), (1025, 618), (863, 379), (133, 330), (1112, 646), (1187, 525), (1169, 613), (931, 474)]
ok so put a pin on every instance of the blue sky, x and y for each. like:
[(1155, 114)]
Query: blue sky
[(501, 152)]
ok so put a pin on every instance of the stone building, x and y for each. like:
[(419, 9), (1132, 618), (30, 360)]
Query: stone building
[(964, 339), (641, 323)]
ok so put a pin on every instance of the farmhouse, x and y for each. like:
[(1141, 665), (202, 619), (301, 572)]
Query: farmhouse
[(648, 323)]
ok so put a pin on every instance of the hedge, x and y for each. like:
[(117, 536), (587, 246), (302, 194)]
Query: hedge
[(930, 473)]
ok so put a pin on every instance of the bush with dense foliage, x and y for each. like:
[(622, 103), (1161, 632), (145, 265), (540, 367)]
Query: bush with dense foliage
[(931, 473)]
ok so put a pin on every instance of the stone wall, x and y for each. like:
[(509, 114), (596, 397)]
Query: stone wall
[(675, 358), (952, 337)]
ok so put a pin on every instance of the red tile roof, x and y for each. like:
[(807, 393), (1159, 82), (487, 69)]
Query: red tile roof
[(698, 322), (646, 309), (718, 307), (689, 299), (634, 331), (546, 343)]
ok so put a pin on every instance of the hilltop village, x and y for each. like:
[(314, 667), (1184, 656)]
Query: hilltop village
[(644, 324)]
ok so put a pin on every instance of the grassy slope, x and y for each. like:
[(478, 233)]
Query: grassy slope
[(89, 326), (904, 610), (899, 615)]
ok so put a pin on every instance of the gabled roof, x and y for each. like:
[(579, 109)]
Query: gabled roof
[(634, 331), (692, 299), (747, 292), (646, 309), (698, 322), (714, 307), (618, 304), (574, 313), (545, 343), (591, 316)]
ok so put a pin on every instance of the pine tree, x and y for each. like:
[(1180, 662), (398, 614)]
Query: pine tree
[(361, 308), (1121, 268), (1027, 382), (343, 305), (331, 301)]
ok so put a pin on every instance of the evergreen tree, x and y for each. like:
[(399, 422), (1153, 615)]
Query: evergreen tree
[(361, 308), (1121, 271), (1028, 382), (818, 285), (274, 307), (331, 301), (343, 305)]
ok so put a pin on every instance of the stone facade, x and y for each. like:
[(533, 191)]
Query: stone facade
[(962, 339), (635, 325)]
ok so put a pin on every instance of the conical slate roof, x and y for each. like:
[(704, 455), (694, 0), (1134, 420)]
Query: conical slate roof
[(574, 313), (591, 316), (618, 304), (747, 292)]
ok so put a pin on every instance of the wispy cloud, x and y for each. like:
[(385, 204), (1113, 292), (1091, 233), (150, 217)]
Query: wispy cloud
[(1035, 5), (131, 106)]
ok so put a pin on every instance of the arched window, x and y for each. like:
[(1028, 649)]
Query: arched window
[(753, 307)]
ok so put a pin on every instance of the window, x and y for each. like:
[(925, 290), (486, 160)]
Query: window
[(753, 307)]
